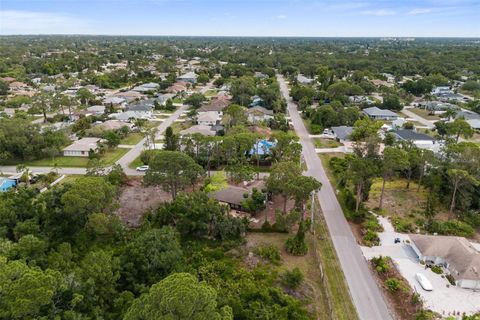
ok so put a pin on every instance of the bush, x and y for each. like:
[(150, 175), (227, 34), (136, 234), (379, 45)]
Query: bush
[(292, 279), (402, 225), (452, 228), (316, 129), (392, 284), (381, 264), (269, 252), (371, 238), (437, 269), (450, 279)]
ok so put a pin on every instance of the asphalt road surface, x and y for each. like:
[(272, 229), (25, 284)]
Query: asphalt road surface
[(365, 293)]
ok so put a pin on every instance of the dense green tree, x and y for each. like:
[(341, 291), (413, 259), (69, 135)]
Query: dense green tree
[(149, 258), (394, 160), (173, 170), (180, 296)]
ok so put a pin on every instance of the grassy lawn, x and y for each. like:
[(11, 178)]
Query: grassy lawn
[(135, 163), (132, 138), (424, 114), (211, 93), (110, 157), (326, 143), (179, 126), (177, 100)]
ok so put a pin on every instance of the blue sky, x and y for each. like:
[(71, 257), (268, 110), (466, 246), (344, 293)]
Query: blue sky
[(436, 18)]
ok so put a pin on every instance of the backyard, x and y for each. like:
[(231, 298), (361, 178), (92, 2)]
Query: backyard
[(424, 114), (326, 143)]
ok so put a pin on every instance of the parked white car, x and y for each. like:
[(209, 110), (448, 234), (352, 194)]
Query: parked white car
[(142, 168), (424, 282)]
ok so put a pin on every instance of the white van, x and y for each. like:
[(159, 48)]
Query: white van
[(424, 282)]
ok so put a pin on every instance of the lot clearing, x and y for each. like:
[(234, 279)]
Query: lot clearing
[(136, 199)]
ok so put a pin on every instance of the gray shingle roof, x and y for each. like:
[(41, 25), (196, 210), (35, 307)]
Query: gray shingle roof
[(342, 132), (411, 135), (374, 111)]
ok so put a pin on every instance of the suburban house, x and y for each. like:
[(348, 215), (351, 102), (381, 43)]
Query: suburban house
[(208, 118), (130, 115), (421, 140), (232, 196), (114, 101), (163, 98), (145, 108), (441, 90), (360, 99), (147, 87), (96, 110), (129, 95), (439, 107), (205, 130), (467, 115), (341, 133), (303, 80), (456, 254), (380, 114), (6, 184), (81, 148), (114, 125), (216, 105), (177, 87), (259, 114), (260, 75), (188, 77)]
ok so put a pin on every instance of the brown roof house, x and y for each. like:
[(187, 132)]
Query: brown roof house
[(455, 254), (233, 196)]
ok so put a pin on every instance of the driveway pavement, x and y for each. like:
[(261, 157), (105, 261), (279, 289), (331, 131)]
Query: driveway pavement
[(427, 123), (365, 293), (444, 300)]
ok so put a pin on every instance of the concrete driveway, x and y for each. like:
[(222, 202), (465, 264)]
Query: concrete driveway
[(444, 299)]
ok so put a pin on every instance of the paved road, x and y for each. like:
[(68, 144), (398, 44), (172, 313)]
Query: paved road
[(366, 295), (133, 153), (428, 123)]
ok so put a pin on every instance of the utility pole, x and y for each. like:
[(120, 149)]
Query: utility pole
[(312, 211)]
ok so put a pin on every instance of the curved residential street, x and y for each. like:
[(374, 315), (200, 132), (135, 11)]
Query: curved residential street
[(366, 295)]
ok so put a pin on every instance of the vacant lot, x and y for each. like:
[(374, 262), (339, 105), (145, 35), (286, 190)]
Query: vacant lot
[(132, 138), (425, 114), (326, 143), (312, 291), (135, 200)]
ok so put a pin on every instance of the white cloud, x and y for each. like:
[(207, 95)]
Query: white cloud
[(32, 22), (281, 16), (419, 11), (379, 12)]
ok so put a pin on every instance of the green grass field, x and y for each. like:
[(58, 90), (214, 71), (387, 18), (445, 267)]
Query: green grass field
[(132, 138), (326, 143), (110, 157)]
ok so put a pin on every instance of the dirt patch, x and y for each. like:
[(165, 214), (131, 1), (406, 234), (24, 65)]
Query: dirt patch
[(135, 200)]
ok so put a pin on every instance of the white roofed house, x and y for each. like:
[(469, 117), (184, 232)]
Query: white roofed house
[(380, 114), (472, 118), (303, 80), (259, 114), (188, 77), (421, 140), (147, 87), (81, 148), (209, 118), (455, 254)]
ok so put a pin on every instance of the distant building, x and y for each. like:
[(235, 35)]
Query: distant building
[(380, 114), (205, 130), (81, 148), (342, 133), (216, 105), (258, 114), (209, 118), (303, 80), (147, 87), (188, 77), (97, 110), (455, 254), (421, 140)]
